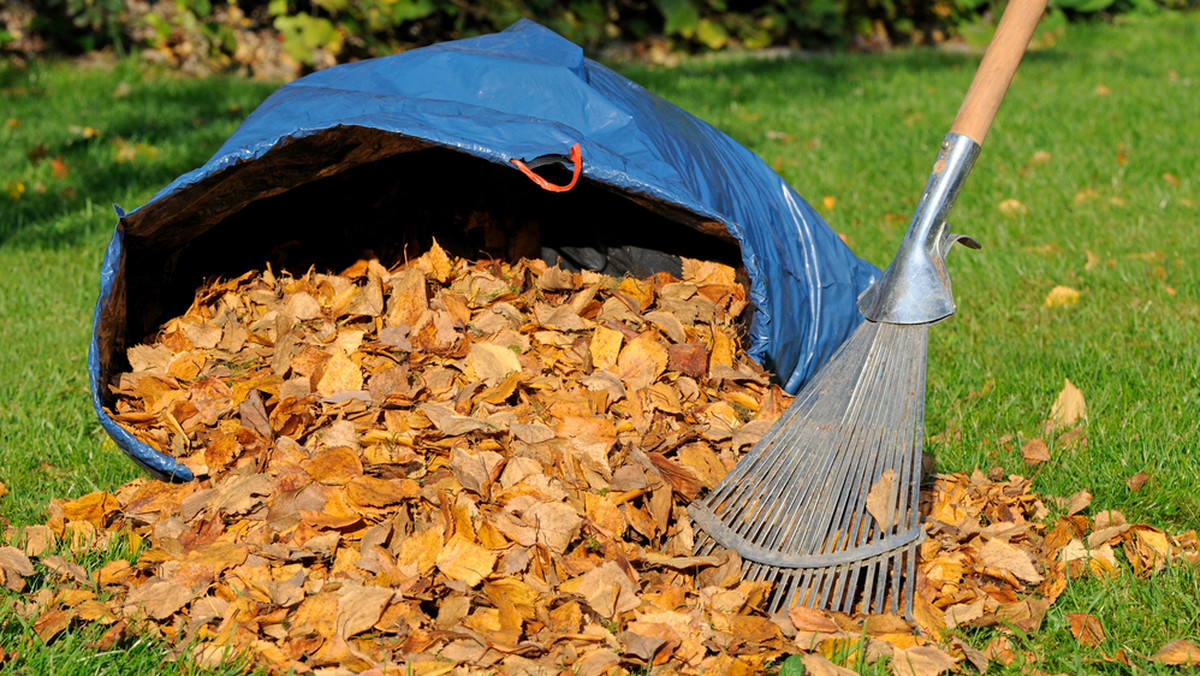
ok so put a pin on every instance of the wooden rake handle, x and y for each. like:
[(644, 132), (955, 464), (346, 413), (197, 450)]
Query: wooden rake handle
[(997, 68)]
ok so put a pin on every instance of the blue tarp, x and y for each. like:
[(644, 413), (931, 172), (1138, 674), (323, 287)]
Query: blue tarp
[(522, 93)]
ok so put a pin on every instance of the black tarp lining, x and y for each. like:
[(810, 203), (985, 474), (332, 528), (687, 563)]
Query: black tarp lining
[(329, 199)]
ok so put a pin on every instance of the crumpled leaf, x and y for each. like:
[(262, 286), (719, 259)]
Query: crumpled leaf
[(606, 588)]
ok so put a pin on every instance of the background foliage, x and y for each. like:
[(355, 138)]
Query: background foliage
[(265, 37)]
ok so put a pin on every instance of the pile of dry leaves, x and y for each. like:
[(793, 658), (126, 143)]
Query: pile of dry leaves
[(449, 466)]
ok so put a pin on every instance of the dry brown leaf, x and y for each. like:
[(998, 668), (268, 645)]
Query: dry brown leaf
[(340, 375), (1179, 652), (605, 347), (360, 608), (1068, 407), (1135, 482), (819, 665), (94, 508), (1035, 452), (881, 499), (606, 588), (1078, 501), (921, 661), (1086, 629), (641, 361), (51, 623), (491, 363), (1005, 556), (555, 524)]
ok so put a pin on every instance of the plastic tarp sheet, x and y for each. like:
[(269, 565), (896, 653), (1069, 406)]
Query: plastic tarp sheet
[(522, 93)]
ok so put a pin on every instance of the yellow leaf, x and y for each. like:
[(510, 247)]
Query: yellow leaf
[(492, 362), (921, 661), (341, 375), (829, 202), (1061, 295), (722, 351), (15, 189), (437, 264), (93, 507), (642, 361), (465, 561), (423, 549), (1012, 208)]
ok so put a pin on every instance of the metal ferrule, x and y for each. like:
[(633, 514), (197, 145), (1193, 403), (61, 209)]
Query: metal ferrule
[(915, 288)]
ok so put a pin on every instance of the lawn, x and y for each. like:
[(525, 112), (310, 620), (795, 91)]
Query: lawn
[(1088, 180)]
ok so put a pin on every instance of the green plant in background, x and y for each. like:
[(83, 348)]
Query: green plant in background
[(319, 33), (83, 25)]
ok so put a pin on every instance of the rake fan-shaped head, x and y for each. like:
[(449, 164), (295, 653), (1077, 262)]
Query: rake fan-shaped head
[(825, 505)]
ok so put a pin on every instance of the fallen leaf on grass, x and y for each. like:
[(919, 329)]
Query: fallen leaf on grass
[(1068, 407), (1035, 452), (15, 566), (1135, 482), (1086, 629), (819, 665), (1078, 502), (1061, 296), (1178, 652), (1012, 208), (50, 623)]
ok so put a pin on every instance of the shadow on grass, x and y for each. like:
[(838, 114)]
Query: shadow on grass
[(751, 80)]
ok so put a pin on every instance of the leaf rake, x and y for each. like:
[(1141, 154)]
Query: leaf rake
[(825, 505)]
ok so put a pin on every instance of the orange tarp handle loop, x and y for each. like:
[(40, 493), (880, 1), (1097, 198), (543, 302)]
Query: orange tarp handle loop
[(576, 159)]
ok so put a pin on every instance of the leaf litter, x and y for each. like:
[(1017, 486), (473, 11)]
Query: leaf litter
[(446, 466)]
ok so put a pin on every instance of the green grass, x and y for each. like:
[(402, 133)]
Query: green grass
[(51, 243), (862, 129)]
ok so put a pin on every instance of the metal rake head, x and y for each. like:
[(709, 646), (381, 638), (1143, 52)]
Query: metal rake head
[(825, 505)]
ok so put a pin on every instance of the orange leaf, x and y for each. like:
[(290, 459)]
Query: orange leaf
[(1086, 629), (334, 466), (93, 508), (462, 559)]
